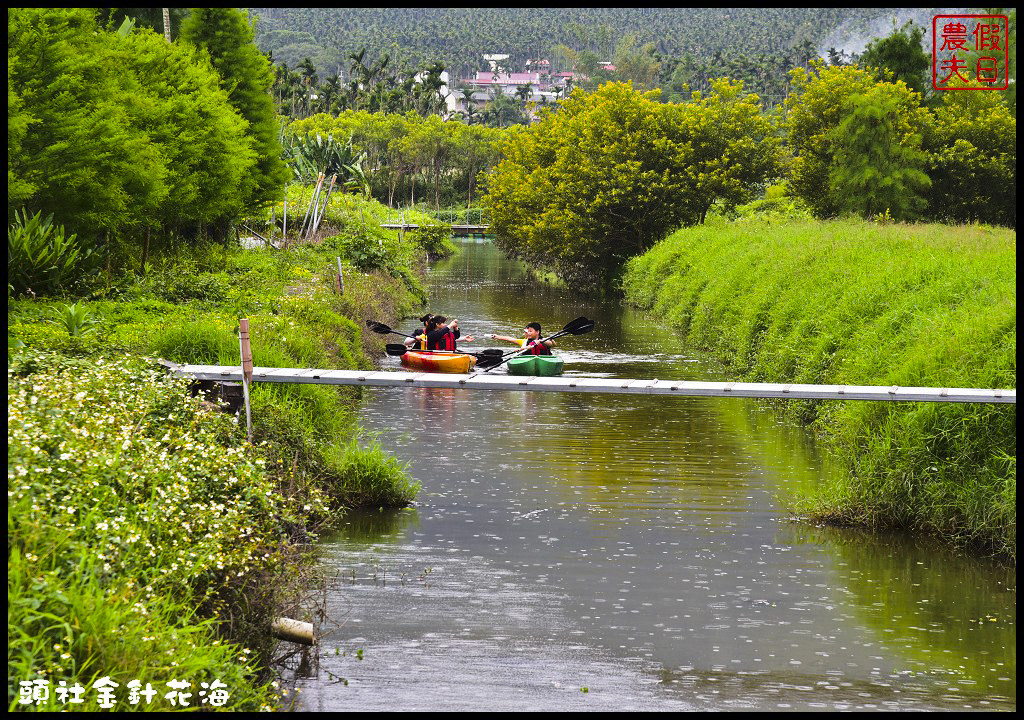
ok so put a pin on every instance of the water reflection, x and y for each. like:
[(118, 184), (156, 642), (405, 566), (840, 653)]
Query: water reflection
[(361, 529), (635, 547)]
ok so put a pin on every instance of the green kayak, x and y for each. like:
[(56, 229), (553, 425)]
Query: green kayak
[(545, 365)]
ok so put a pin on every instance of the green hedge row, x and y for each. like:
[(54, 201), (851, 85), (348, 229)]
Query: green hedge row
[(850, 302)]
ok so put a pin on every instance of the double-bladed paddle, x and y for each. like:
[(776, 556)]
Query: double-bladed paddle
[(382, 329), (579, 326), (484, 358)]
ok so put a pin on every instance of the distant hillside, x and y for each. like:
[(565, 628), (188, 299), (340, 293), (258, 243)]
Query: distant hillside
[(459, 37)]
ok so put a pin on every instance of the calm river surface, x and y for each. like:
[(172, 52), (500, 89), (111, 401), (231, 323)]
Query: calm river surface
[(599, 552)]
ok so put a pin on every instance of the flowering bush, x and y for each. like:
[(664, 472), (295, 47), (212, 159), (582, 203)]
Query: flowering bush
[(126, 501)]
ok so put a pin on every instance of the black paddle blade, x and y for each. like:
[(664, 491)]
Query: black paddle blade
[(379, 328), (395, 349), (488, 361), (579, 326)]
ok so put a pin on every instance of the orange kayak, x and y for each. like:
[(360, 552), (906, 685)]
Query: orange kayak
[(445, 362)]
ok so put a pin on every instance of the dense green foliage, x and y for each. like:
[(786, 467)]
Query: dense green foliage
[(117, 133), (867, 146), (972, 162), (75, 148), (135, 521), (874, 169), (861, 304), (408, 156), (224, 33), (150, 541), (900, 56), (41, 258), (851, 133), (613, 172), (691, 46)]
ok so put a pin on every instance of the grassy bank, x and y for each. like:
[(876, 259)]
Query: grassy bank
[(850, 302), (147, 540)]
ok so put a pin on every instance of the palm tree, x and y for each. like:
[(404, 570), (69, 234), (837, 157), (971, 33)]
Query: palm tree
[(357, 63), (470, 113), (306, 74), (502, 110), (429, 98), (280, 80), (328, 92)]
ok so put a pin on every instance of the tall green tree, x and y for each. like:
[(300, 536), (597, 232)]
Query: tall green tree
[(202, 139), (118, 133), (973, 159), (247, 76), (821, 101), (900, 56), (874, 170), (614, 171), (75, 149)]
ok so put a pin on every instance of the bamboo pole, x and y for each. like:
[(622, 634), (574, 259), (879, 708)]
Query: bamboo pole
[(312, 204), (315, 201), (341, 278), (307, 227), (323, 210)]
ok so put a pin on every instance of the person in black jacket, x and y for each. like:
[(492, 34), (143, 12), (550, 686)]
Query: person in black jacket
[(445, 334), (419, 339)]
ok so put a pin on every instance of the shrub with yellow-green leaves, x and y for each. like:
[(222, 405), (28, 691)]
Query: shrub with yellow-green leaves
[(614, 171), (136, 523)]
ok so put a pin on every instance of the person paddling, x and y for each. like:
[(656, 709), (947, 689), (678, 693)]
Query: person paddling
[(532, 342), (443, 337), (417, 341)]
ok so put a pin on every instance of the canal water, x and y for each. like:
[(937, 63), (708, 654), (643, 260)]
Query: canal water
[(601, 552)]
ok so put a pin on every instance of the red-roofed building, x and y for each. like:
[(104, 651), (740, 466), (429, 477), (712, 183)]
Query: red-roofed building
[(545, 87)]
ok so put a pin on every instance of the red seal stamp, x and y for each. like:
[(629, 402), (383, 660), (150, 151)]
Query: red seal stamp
[(970, 52)]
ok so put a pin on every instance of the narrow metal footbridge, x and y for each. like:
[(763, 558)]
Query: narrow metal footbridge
[(455, 228), (682, 388)]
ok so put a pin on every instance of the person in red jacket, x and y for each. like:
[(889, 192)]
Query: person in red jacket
[(532, 342), (444, 335)]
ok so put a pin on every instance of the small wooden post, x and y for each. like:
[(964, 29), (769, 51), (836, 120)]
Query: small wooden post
[(284, 229), (246, 352), (341, 278)]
